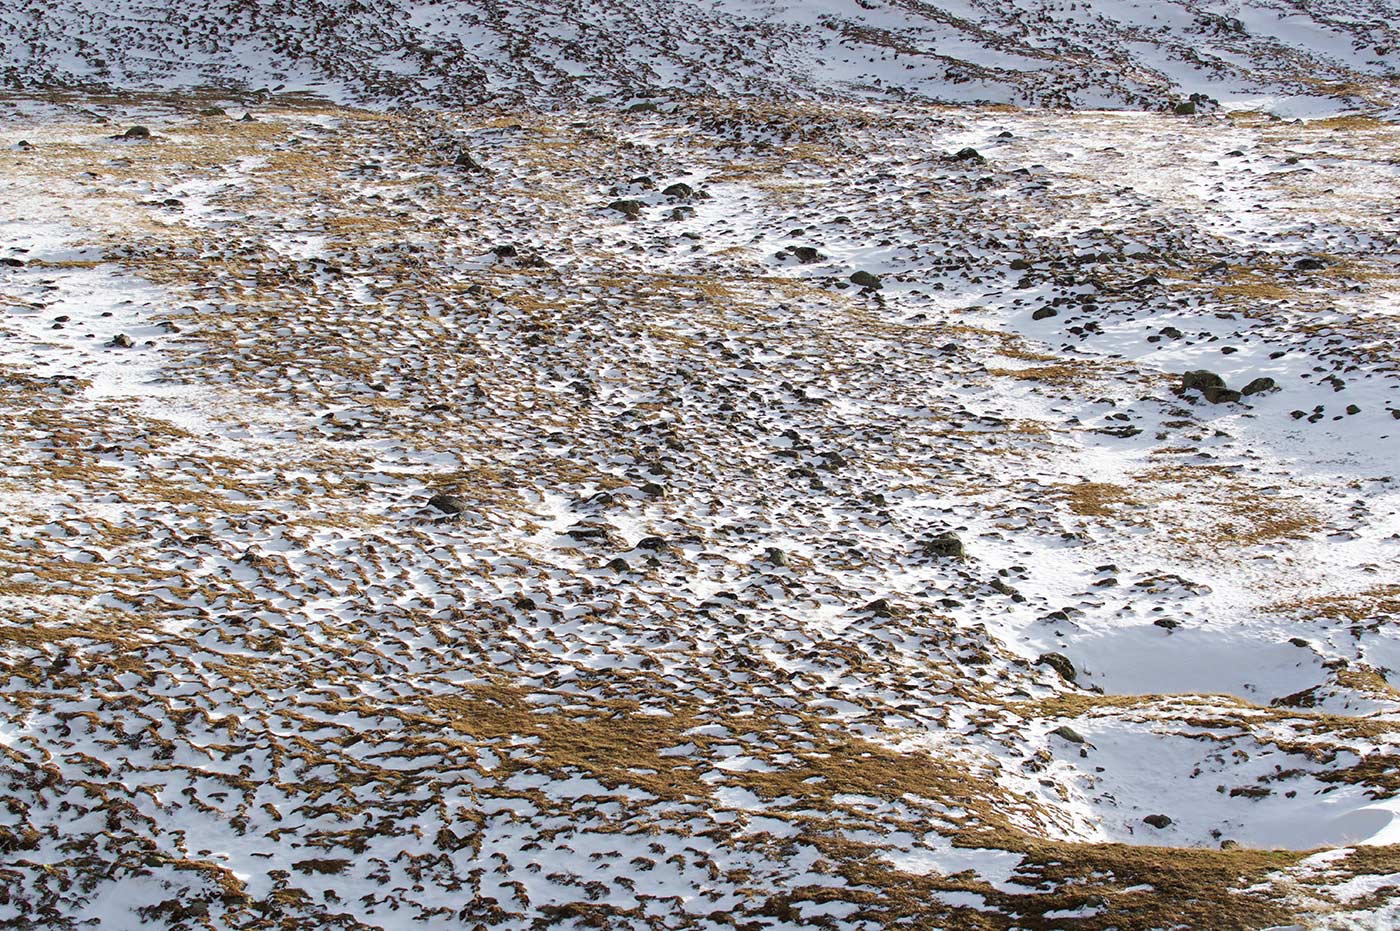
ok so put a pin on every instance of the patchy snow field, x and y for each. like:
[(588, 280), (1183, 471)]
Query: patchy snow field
[(572, 543)]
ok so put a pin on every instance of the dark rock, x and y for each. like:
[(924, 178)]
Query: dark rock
[(806, 254), (1157, 821), (1171, 332), (1045, 313), (680, 189), (122, 341), (1167, 623), (1185, 108), (1066, 732), (136, 132), (969, 155), (212, 111), (866, 280), (1310, 264), (1060, 663), (775, 556), (449, 504), (1260, 385)]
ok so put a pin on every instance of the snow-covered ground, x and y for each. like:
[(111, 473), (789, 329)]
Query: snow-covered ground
[(1297, 58), (388, 544)]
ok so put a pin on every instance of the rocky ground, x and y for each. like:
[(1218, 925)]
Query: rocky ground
[(1148, 54), (701, 516)]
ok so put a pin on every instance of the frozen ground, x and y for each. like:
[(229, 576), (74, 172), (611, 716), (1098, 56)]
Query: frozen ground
[(1292, 57), (387, 544)]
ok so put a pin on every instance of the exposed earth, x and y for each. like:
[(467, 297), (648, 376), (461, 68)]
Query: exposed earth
[(698, 506)]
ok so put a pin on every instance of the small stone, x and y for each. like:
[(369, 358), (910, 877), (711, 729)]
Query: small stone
[(866, 280), (1157, 821)]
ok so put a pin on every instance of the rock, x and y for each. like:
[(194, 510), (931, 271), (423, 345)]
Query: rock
[(1167, 623), (631, 208), (212, 111), (1045, 313), (467, 162), (121, 340), (1157, 821), (1065, 732), (1185, 108), (1260, 385), (1060, 663), (1200, 380), (449, 504), (866, 280), (775, 556), (1170, 332), (1228, 844), (806, 254), (945, 545), (969, 155), (680, 189), (1310, 264), (136, 132)]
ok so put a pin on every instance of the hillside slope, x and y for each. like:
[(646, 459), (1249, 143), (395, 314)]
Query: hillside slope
[(1088, 53)]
